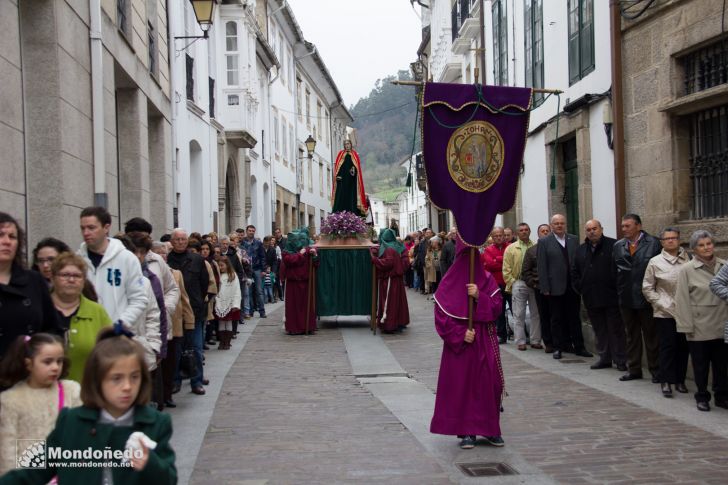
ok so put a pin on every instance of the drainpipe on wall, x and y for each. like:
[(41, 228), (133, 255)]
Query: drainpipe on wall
[(620, 197), (172, 14), (101, 197)]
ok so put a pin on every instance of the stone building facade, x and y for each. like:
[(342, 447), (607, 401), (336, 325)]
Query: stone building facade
[(675, 80), (84, 113)]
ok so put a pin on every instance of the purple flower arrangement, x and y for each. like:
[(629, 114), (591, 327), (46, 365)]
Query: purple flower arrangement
[(343, 224)]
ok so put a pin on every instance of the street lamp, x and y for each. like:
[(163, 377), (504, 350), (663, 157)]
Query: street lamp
[(204, 13), (310, 148)]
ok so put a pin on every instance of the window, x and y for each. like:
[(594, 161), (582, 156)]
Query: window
[(328, 180), (291, 68), (318, 119), (211, 95), (310, 175), (308, 108), (299, 102), (709, 162), (707, 67), (123, 16), (275, 133), (326, 129), (231, 54), (190, 65), (233, 100), (533, 39), (284, 151), (293, 144), (272, 36), (152, 48), (321, 179), (500, 43), (281, 56), (581, 39)]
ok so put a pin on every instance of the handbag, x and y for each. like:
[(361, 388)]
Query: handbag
[(187, 364)]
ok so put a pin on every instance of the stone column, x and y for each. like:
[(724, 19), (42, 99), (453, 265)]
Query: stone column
[(160, 175), (133, 144)]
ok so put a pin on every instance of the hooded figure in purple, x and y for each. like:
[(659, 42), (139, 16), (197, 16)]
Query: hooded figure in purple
[(470, 385)]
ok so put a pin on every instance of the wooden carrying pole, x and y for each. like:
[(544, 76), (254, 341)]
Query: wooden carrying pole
[(373, 323), (310, 285), (471, 280)]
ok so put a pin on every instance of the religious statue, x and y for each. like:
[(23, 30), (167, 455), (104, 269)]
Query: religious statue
[(348, 185)]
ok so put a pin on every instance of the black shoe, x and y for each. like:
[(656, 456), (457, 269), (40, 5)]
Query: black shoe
[(583, 353), (601, 365), (262, 315), (655, 379), (703, 406), (721, 403), (205, 382), (666, 389), (622, 367), (467, 443), (548, 349), (495, 441), (176, 388), (557, 354), (630, 377), (205, 347), (170, 404), (681, 388), (199, 390)]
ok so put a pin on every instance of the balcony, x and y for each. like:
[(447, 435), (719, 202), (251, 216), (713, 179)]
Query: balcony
[(465, 25)]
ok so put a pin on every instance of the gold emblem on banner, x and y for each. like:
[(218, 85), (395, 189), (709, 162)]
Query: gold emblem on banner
[(475, 156)]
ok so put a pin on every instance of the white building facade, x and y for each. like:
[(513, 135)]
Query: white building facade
[(575, 34)]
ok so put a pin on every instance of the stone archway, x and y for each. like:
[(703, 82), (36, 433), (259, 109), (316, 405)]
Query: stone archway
[(233, 212)]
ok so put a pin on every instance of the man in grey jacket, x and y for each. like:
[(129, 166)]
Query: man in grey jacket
[(631, 255), (555, 257)]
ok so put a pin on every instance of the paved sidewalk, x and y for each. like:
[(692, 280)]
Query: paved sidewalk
[(579, 433), (292, 412)]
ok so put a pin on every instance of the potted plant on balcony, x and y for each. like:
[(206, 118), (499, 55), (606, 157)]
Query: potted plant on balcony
[(343, 228)]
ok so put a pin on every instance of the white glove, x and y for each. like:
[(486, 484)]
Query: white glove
[(135, 441)]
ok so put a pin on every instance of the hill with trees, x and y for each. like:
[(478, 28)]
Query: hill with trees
[(384, 121)]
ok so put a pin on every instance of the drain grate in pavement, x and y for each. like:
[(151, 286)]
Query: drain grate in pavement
[(572, 361), (485, 469)]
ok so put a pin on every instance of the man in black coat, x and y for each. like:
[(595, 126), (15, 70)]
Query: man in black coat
[(555, 257), (447, 255), (631, 255), (197, 279), (595, 279)]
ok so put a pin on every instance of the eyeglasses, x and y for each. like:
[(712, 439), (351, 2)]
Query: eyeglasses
[(44, 261), (70, 276)]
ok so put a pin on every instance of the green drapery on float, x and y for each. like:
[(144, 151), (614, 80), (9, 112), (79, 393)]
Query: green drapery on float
[(344, 282)]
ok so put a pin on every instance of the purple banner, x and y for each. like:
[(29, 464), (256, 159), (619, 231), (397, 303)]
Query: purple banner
[(473, 141)]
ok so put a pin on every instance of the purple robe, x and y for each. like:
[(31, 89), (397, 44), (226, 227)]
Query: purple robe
[(470, 384), (392, 308), (294, 271)]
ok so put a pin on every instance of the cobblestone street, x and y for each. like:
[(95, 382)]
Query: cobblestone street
[(346, 406)]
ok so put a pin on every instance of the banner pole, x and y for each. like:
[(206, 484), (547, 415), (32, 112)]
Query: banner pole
[(420, 83), (482, 44), (373, 322), (308, 299), (471, 280)]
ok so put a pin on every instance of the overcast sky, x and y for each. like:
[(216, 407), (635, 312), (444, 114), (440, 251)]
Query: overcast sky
[(360, 40)]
